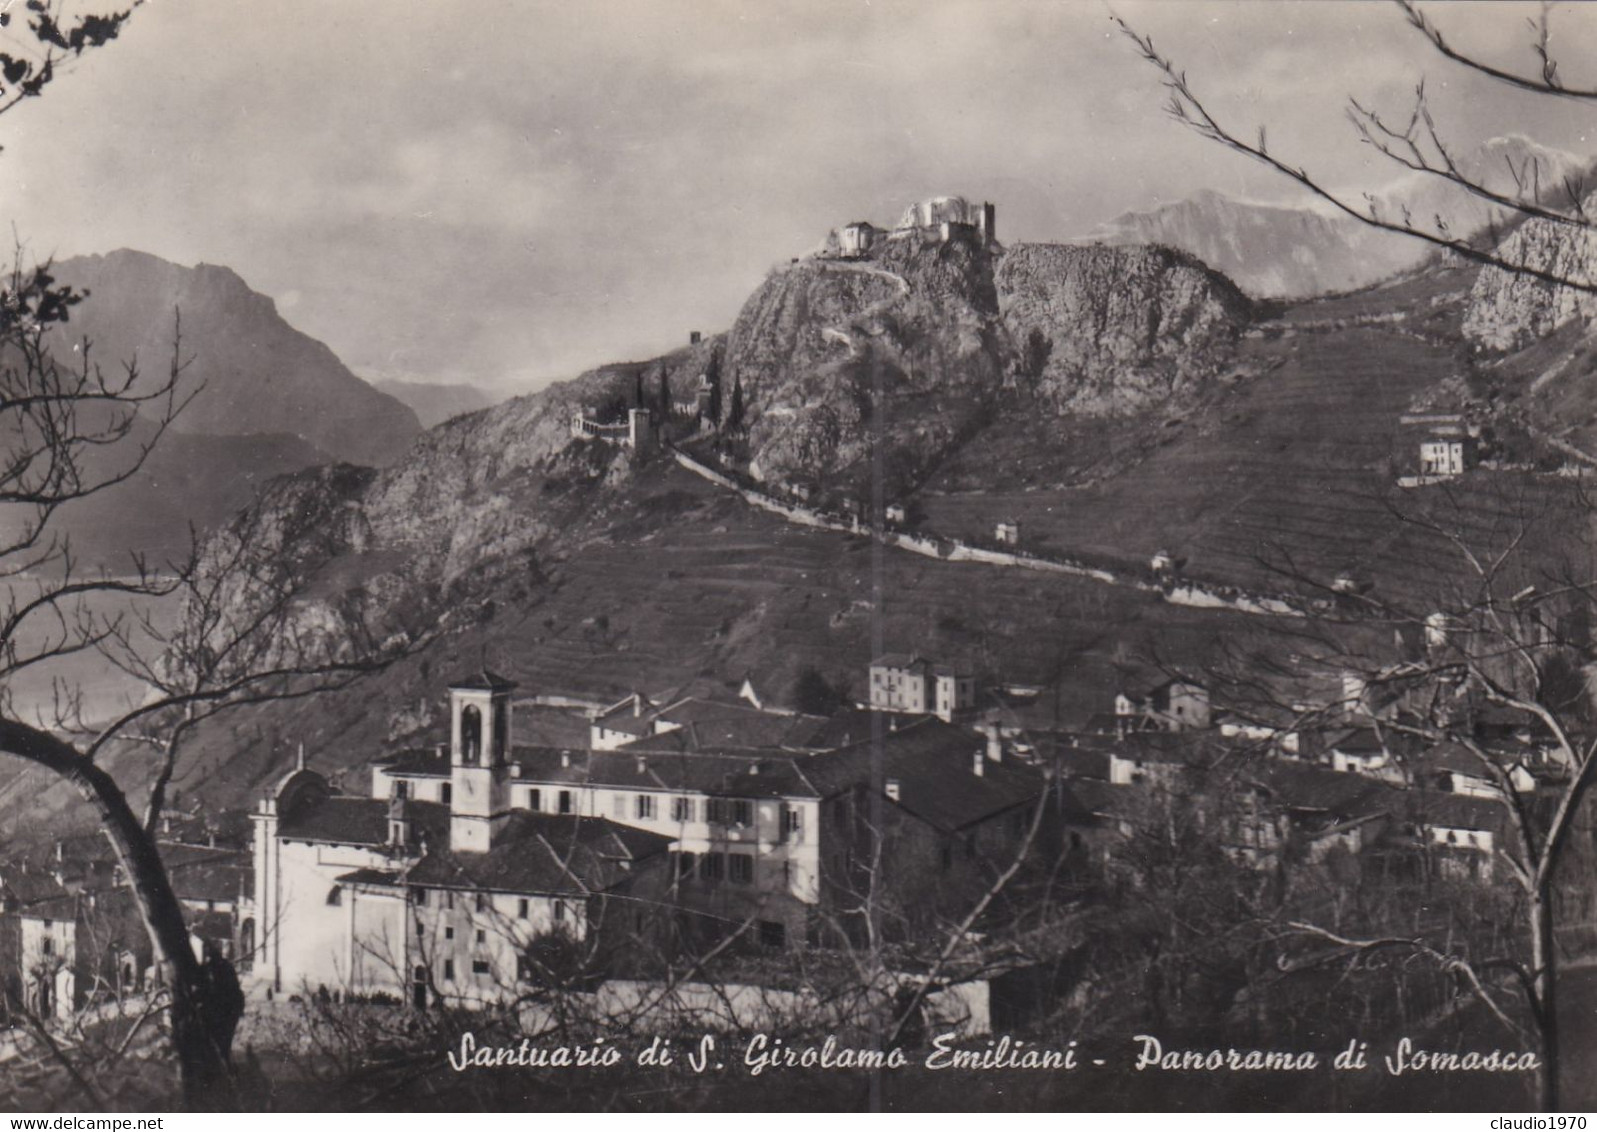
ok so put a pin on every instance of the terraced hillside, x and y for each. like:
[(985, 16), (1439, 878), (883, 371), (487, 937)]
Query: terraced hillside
[(677, 582), (1291, 464)]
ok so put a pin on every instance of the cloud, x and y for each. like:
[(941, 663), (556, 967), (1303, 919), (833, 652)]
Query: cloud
[(497, 189)]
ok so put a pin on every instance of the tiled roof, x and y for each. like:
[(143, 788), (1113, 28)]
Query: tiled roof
[(1453, 811), (359, 821), (483, 681), (199, 873), (31, 888), (1310, 788), (544, 854), (934, 763), (855, 725), (417, 762)]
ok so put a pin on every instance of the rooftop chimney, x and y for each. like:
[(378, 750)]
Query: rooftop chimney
[(891, 788), (643, 765), (978, 764), (995, 743), (565, 758)]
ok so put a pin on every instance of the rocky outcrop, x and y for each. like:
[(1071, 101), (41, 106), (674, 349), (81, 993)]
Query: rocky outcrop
[(905, 347), (1112, 331), (1509, 309)]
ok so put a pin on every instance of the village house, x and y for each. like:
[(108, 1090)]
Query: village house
[(1172, 705), (1007, 532), (1445, 442), (739, 797), (917, 686), (62, 950)]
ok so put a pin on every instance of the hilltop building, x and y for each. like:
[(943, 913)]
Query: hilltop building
[(948, 214), (637, 432)]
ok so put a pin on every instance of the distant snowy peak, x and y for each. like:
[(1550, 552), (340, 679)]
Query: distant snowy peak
[(1286, 250)]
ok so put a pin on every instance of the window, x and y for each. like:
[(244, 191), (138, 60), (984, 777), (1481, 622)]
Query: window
[(715, 811), (619, 803), (418, 896), (792, 820), (645, 806), (48, 944), (521, 908), (560, 910), (449, 901), (482, 936), (446, 793), (712, 867), (449, 933), (565, 801), (534, 799), (740, 868), (401, 788), (481, 902), (681, 809), (449, 968), (479, 966), (742, 812)]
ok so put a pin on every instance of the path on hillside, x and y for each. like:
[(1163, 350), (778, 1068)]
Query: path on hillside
[(952, 550), (846, 333)]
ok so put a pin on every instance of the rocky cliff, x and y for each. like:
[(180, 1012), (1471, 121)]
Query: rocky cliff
[(875, 369), (906, 347), (1113, 331), (1509, 309)]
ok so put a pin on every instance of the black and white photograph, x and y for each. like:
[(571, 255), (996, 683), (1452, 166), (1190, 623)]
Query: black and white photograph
[(812, 556)]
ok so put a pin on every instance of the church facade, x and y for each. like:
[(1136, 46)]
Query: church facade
[(436, 899)]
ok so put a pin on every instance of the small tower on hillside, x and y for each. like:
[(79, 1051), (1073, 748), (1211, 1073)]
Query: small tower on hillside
[(479, 760)]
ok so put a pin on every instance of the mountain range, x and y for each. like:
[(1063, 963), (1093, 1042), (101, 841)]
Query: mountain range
[(1274, 250), (267, 399)]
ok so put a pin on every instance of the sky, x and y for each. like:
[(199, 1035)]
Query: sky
[(508, 193)]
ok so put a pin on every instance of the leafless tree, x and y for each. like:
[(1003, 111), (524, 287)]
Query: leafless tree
[(72, 431), (1412, 141)]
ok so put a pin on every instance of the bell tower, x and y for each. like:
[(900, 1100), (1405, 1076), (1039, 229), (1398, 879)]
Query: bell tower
[(479, 760)]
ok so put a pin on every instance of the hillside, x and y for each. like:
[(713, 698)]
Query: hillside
[(1259, 440), (255, 373)]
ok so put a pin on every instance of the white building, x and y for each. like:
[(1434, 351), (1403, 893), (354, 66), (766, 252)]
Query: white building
[(917, 686), (435, 888)]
